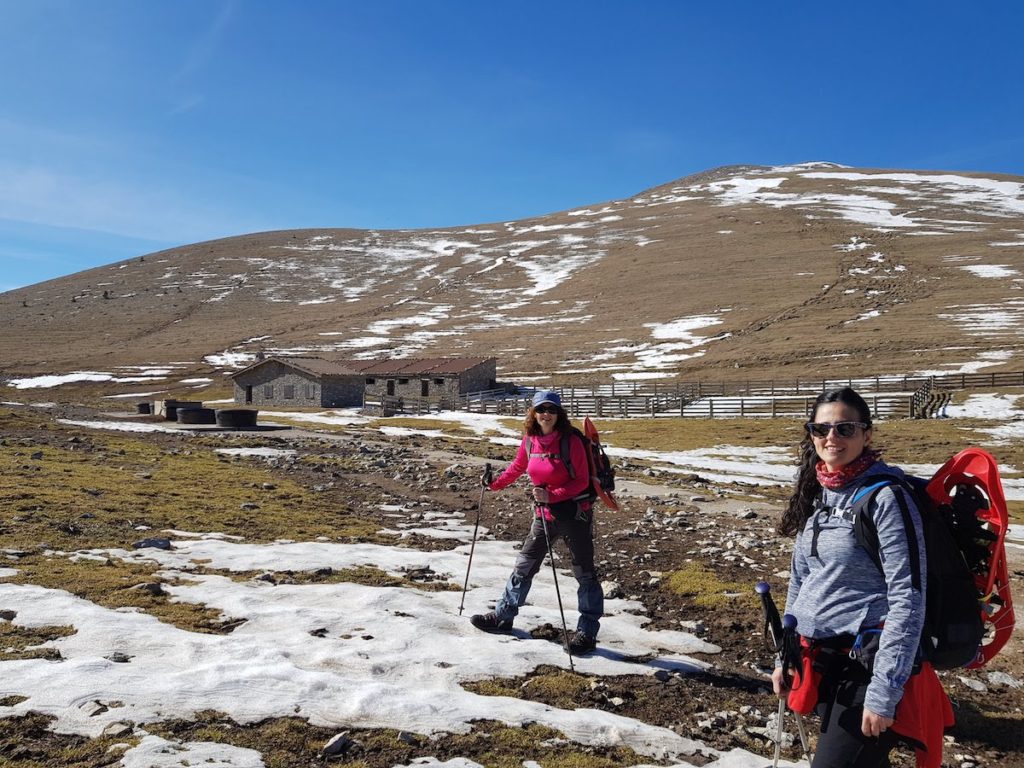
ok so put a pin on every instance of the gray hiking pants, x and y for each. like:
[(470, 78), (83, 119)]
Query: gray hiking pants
[(578, 536)]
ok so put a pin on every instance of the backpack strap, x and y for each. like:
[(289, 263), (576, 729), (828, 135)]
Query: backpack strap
[(866, 531), (563, 450)]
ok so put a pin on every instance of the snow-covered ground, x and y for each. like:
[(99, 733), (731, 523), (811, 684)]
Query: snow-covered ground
[(340, 655)]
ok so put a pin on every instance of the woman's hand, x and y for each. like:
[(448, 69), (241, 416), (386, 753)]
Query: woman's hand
[(874, 725), (541, 495), (778, 684)]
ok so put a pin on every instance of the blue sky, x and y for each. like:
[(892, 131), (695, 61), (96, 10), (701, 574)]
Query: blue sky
[(127, 126)]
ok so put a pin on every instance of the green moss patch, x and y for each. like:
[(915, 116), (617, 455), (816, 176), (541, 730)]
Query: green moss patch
[(703, 586), (552, 686)]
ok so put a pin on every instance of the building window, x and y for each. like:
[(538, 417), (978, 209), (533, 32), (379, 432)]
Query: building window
[(289, 391), (310, 394), (268, 390), (439, 382), (403, 381), (371, 381)]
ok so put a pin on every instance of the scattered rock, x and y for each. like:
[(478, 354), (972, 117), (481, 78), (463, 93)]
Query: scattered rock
[(155, 543), (118, 729), (153, 588), (338, 745), (93, 708), (8, 615), (118, 658), (996, 678), (974, 685), (612, 589)]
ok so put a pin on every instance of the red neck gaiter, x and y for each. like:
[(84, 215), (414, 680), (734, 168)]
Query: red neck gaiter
[(846, 473)]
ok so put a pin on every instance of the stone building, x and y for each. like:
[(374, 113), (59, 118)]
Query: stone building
[(316, 382), (435, 379)]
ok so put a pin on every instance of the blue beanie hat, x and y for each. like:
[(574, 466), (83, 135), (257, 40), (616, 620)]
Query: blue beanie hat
[(547, 396)]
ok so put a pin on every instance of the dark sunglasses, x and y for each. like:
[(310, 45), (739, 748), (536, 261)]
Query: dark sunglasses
[(546, 409), (844, 428)]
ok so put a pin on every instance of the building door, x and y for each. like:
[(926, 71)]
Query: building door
[(424, 387), (391, 386), (248, 395)]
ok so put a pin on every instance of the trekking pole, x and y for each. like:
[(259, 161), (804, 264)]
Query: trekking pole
[(782, 634), (790, 648), (476, 526), (558, 594)]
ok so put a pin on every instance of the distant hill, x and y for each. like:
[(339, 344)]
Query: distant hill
[(743, 271)]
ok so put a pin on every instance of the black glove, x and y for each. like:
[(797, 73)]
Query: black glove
[(486, 478)]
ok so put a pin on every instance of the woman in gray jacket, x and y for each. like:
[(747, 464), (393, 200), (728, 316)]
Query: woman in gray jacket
[(842, 599)]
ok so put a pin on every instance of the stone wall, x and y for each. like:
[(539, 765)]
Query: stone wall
[(479, 377), (435, 386), (281, 385), (277, 384)]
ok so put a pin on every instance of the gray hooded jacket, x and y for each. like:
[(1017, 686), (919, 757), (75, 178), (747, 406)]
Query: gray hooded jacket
[(839, 590)]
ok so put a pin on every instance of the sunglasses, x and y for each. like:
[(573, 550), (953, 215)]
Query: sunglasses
[(546, 409), (843, 428)]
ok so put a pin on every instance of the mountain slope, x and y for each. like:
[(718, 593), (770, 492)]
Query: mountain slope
[(813, 269)]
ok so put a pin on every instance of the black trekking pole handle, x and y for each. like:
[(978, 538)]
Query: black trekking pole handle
[(785, 643), (772, 620), (476, 526)]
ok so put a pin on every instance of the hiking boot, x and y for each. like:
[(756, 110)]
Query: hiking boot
[(581, 643), (489, 622)]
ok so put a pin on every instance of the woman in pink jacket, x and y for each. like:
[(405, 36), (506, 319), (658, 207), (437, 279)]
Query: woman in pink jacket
[(562, 499)]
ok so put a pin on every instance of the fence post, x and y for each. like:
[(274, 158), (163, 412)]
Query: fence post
[(742, 410), (711, 408), (773, 406)]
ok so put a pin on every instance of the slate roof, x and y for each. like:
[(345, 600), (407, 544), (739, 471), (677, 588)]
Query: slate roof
[(318, 366)]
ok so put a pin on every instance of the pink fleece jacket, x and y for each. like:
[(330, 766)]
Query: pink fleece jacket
[(545, 467)]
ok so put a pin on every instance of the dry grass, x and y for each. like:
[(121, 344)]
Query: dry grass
[(17, 642)]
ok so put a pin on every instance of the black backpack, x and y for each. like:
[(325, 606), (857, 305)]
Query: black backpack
[(956, 545)]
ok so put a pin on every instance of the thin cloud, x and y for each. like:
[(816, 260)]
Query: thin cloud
[(39, 195), (206, 44)]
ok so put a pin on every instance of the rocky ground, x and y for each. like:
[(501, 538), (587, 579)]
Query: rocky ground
[(690, 550)]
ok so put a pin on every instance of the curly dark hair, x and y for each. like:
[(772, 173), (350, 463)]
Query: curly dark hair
[(801, 503), (532, 428)]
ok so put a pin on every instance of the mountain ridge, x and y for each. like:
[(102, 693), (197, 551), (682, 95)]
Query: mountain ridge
[(736, 271)]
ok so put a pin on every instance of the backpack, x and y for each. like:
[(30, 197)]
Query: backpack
[(602, 474), (957, 549)]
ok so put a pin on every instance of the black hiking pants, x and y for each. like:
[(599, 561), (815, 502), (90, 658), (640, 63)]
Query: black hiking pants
[(841, 706)]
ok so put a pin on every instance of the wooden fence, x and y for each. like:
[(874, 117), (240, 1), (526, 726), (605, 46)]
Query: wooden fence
[(888, 396)]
